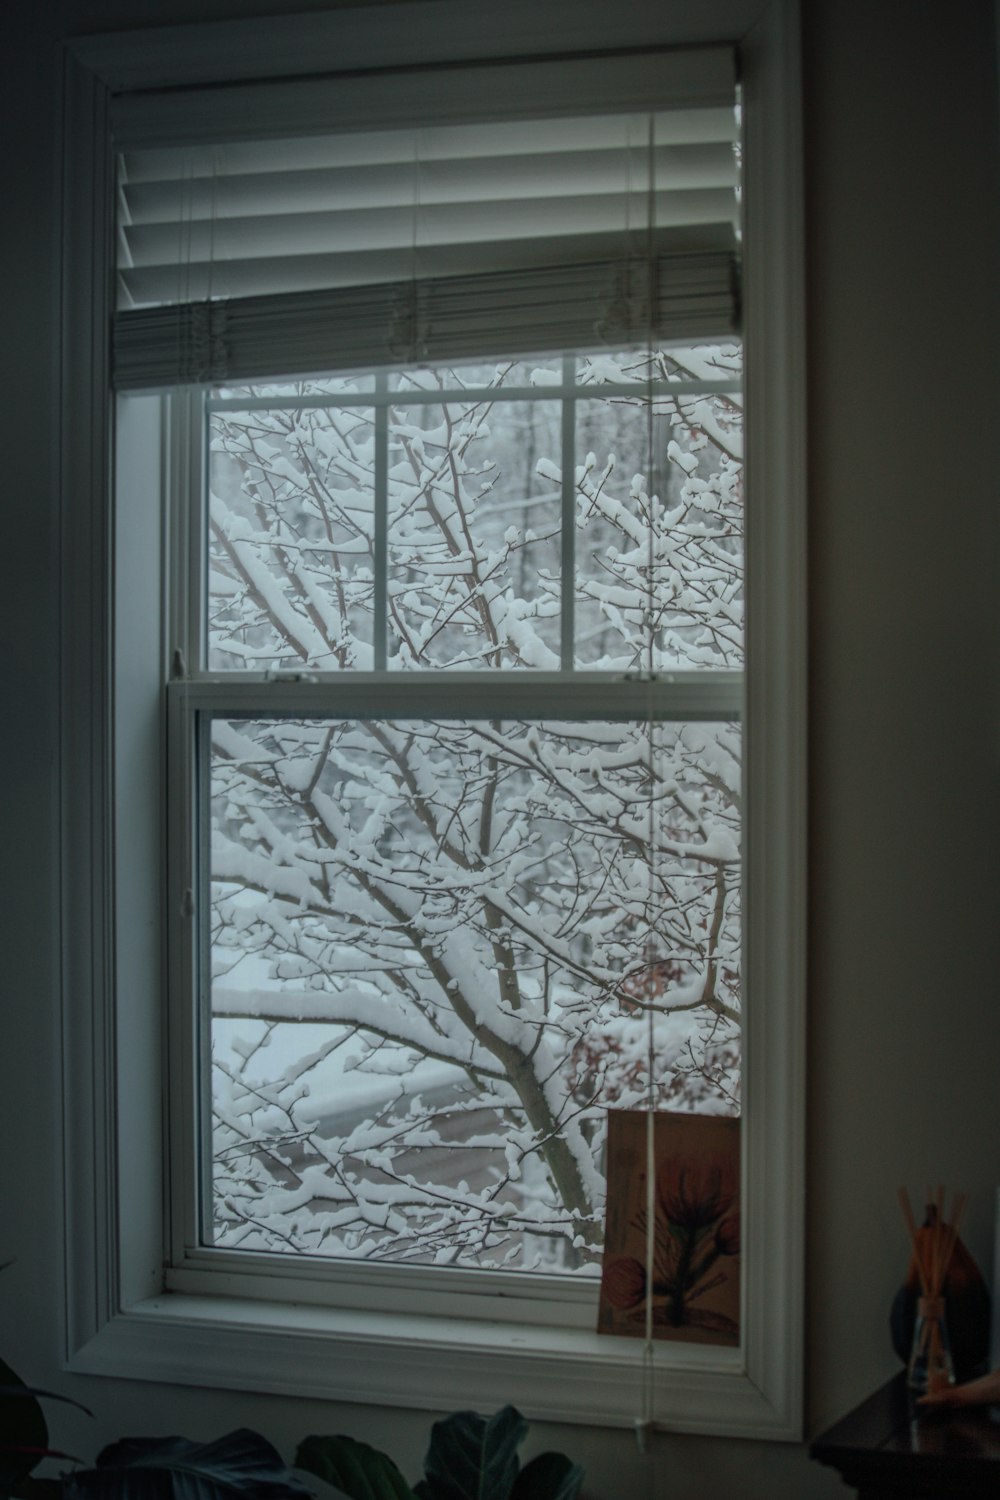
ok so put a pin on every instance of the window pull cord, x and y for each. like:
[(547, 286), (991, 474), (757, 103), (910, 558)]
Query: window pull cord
[(646, 1422)]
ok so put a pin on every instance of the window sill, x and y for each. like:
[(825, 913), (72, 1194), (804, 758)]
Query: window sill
[(410, 1360)]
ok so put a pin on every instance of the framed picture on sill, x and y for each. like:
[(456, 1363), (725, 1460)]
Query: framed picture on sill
[(693, 1285)]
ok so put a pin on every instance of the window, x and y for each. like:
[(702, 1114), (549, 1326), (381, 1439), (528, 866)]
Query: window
[(373, 647), (429, 928)]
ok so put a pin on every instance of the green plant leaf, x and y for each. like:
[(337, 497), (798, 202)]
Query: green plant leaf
[(473, 1457), (358, 1470), (550, 1476), (23, 1433), (240, 1464)]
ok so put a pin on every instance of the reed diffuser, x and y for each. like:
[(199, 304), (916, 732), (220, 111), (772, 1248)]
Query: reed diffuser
[(930, 1367)]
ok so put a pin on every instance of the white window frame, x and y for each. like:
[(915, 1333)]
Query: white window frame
[(120, 1320), (711, 696)]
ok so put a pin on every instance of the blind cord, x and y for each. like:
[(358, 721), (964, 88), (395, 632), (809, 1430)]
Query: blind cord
[(647, 1416)]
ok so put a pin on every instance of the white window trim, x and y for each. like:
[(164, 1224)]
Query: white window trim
[(118, 1319)]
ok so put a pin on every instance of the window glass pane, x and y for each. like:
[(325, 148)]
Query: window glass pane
[(490, 374), (433, 950), (290, 526), (309, 387), (720, 364), (474, 527), (659, 542)]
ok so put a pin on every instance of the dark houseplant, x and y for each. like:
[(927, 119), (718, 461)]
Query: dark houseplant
[(470, 1457)]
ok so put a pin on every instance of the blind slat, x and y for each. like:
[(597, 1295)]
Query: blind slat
[(532, 91), (688, 129), (598, 172)]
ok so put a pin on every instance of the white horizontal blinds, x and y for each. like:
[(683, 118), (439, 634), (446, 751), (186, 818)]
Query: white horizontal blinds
[(363, 248), (293, 216)]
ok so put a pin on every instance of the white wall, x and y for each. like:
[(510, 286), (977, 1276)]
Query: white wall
[(904, 341)]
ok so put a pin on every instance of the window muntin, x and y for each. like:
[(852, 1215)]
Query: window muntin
[(453, 924)]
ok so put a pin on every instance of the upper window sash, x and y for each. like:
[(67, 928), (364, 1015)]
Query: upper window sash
[(678, 391)]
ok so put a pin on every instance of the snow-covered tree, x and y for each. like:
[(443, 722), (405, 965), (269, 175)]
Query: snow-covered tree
[(436, 943)]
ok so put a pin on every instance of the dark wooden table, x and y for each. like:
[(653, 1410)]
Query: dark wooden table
[(887, 1449)]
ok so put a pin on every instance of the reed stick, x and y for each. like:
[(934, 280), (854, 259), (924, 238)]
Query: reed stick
[(904, 1203)]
